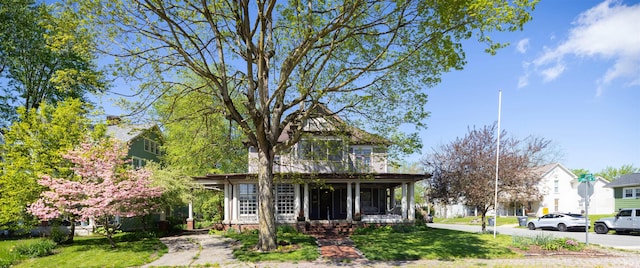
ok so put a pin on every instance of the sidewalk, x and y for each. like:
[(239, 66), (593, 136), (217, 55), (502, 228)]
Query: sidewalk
[(197, 250), (210, 250)]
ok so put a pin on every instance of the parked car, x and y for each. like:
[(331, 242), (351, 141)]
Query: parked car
[(429, 218), (558, 221), (626, 220)]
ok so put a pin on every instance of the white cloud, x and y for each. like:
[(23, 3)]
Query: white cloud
[(552, 72), (523, 45), (608, 31), (523, 80)]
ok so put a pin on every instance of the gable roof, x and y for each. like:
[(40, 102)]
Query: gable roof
[(356, 135), (544, 170), (632, 179), (126, 132)]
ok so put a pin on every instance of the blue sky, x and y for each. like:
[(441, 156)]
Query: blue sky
[(571, 76)]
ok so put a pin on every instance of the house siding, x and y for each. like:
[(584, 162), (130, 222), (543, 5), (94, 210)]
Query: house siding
[(136, 147), (290, 163), (624, 202), (566, 196), (627, 203)]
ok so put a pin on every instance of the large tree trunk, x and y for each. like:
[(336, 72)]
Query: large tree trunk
[(266, 213), (72, 231)]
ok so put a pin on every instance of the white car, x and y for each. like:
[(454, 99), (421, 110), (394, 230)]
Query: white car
[(558, 221)]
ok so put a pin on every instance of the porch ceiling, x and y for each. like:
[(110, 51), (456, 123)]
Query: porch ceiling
[(218, 179)]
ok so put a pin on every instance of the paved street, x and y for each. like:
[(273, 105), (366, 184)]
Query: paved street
[(629, 242)]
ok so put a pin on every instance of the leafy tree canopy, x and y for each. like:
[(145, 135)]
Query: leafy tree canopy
[(611, 173), (44, 57), (367, 60), (199, 139), (104, 188), (464, 170), (34, 146)]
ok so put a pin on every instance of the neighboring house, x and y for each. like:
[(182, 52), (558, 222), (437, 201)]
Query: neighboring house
[(144, 140), (626, 191), (331, 174), (560, 192)]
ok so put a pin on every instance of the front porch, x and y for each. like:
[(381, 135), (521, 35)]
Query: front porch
[(319, 198)]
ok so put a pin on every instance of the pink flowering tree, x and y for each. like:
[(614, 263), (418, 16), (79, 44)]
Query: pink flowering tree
[(104, 187)]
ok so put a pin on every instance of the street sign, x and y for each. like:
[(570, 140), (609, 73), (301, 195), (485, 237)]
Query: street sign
[(586, 177), (585, 189)]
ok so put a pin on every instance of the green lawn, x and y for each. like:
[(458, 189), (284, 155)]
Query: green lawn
[(293, 247), (472, 220), (94, 251), (427, 243)]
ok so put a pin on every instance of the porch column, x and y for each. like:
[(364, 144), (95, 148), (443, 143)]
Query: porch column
[(296, 200), (305, 200), (227, 204), (412, 201), (358, 198), (234, 206), (349, 202), (190, 225), (404, 201), (163, 215)]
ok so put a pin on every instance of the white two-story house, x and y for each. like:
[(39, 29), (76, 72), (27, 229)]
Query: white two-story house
[(328, 175)]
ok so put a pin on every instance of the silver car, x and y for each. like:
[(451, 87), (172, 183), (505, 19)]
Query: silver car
[(558, 221)]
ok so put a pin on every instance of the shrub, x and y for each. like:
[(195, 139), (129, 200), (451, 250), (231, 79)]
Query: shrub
[(39, 248), (5, 263), (176, 224), (546, 242), (137, 236), (58, 235), (287, 229), (403, 229), (521, 242), (571, 244), (542, 239)]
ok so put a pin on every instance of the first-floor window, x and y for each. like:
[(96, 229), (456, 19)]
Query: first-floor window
[(556, 204), (285, 199), (138, 162), (631, 192), (248, 200)]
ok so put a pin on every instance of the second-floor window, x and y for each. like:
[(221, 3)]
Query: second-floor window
[(320, 150), (362, 156), (151, 146)]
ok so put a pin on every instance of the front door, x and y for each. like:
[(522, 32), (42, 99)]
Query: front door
[(327, 203)]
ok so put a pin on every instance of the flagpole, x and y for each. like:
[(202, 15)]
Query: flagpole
[(495, 196)]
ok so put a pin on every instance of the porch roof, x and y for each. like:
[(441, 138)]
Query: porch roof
[(219, 179)]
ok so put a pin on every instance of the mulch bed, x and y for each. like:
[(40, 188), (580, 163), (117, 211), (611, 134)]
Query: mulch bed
[(537, 251)]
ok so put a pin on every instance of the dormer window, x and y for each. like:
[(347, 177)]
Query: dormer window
[(322, 150)]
